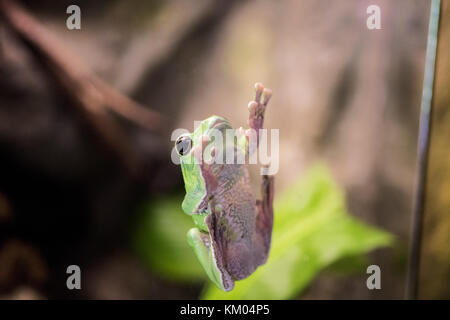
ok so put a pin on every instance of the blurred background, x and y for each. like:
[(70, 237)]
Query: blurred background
[(85, 123)]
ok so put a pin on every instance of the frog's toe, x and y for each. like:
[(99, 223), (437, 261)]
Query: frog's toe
[(259, 88), (253, 107), (267, 93)]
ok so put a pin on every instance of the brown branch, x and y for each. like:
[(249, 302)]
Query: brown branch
[(93, 97)]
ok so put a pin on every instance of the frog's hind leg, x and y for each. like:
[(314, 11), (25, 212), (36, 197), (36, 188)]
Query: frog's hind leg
[(209, 258), (264, 220)]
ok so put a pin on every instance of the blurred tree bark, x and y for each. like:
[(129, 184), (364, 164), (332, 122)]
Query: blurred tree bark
[(77, 157), (342, 93), (434, 277)]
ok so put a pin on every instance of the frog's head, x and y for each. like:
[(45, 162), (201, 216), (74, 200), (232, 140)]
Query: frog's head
[(185, 145)]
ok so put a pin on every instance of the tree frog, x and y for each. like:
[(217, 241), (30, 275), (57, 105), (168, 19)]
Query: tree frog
[(233, 230)]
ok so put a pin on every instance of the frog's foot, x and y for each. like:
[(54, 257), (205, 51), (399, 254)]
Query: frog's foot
[(258, 107), (256, 115)]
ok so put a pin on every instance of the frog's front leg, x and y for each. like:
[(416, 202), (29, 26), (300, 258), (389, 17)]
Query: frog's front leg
[(264, 219), (264, 207), (210, 258)]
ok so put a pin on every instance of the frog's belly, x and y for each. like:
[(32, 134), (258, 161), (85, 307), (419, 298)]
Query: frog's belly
[(236, 221), (240, 261), (236, 229)]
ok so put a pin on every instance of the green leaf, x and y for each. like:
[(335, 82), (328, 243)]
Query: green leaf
[(312, 231), (159, 238)]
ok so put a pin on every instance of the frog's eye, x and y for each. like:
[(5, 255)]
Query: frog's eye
[(183, 145)]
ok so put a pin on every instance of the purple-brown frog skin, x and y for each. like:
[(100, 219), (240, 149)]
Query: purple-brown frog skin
[(233, 229)]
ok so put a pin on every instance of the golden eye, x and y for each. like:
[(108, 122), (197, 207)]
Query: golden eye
[(183, 145)]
